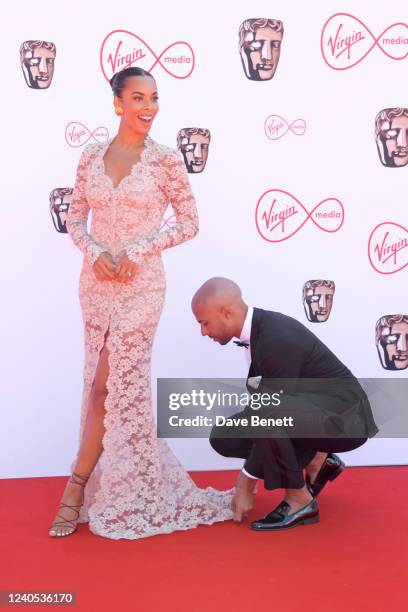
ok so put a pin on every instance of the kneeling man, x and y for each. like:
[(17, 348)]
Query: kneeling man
[(283, 348)]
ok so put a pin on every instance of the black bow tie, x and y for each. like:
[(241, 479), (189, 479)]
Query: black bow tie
[(238, 343)]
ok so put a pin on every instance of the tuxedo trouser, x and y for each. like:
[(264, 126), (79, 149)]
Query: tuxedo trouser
[(280, 461)]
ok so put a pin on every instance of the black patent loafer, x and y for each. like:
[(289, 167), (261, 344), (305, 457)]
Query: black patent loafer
[(281, 519), (331, 468)]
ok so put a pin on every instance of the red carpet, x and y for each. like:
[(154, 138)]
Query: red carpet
[(355, 559)]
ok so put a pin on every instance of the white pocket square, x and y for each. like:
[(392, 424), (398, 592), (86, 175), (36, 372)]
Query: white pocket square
[(254, 381)]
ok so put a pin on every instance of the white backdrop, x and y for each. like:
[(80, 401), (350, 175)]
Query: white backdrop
[(42, 341)]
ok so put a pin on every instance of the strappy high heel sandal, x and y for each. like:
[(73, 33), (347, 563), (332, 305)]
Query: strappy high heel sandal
[(70, 524)]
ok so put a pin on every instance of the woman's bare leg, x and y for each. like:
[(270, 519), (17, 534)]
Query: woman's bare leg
[(91, 446)]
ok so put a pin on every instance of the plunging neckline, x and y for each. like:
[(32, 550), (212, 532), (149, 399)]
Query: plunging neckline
[(132, 167)]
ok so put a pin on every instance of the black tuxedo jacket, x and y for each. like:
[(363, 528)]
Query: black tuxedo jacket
[(282, 347)]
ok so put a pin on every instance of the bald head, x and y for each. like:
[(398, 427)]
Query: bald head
[(219, 308), (217, 291)]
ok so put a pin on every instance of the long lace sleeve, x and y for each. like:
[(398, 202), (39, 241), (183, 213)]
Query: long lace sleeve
[(179, 193), (78, 213)]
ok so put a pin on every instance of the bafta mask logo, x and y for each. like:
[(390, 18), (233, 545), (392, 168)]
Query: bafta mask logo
[(391, 338), (259, 46), (193, 144), (60, 199), (37, 59), (391, 134), (318, 299)]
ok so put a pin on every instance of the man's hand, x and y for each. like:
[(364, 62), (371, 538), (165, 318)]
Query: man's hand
[(242, 502), (125, 269), (104, 267)]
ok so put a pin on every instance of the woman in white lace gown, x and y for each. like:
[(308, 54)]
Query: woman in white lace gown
[(126, 482)]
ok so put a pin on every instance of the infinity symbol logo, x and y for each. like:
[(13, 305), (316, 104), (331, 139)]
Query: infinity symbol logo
[(346, 41), (121, 49), (168, 222), (77, 134), (388, 247), (279, 215), (276, 127)]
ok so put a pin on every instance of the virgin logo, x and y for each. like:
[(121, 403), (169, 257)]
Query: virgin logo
[(388, 247), (168, 222), (345, 41), (121, 49), (279, 215), (77, 134), (276, 127)]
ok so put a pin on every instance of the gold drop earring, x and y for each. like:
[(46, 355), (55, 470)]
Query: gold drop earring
[(118, 110)]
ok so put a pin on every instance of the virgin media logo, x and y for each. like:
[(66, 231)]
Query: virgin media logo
[(279, 215), (121, 49), (388, 247), (167, 222), (77, 134), (276, 127), (345, 41)]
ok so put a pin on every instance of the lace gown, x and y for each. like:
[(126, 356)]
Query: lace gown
[(138, 487)]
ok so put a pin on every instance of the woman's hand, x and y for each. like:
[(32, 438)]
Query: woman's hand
[(125, 269), (104, 267)]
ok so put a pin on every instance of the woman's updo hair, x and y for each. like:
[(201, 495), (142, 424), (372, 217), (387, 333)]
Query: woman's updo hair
[(118, 81)]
